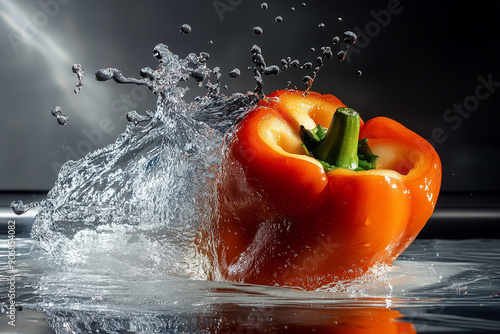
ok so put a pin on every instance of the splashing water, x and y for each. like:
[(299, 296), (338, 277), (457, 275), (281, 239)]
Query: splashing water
[(141, 200)]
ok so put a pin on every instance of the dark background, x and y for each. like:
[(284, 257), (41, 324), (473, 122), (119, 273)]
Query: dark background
[(420, 60)]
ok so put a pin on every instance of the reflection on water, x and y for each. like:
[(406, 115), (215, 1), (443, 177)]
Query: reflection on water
[(436, 286)]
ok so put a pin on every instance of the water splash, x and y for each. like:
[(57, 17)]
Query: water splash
[(141, 200)]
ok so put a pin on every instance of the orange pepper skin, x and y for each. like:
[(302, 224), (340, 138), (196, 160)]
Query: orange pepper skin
[(281, 220)]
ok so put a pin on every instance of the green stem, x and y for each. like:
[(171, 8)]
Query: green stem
[(339, 147)]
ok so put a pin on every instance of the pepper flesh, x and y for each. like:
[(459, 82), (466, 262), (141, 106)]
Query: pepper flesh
[(282, 220)]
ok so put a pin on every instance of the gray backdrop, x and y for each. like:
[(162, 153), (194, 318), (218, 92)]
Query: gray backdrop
[(430, 65)]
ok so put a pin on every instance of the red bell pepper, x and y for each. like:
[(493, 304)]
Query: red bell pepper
[(294, 209)]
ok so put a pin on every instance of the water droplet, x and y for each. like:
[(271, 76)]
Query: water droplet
[(295, 63), (313, 50), (264, 5), (339, 19), (321, 25), (293, 9), (80, 74), (62, 119), (235, 73), (278, 19), (307, 79), (210, 42), (341, 55), (304, 4), (336, 40), (256, 49), (258, 30), (350, 37), (185, 28), (326, 52), (359, 73), (306, 66), (203, 57), (271, 70), (19, 208)]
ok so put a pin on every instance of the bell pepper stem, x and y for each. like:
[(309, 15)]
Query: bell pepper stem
[(339, 147)]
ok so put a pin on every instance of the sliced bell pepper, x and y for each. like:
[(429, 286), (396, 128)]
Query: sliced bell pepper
[(303, 211)]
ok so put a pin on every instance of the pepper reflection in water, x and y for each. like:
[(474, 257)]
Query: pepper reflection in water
[(229, 318)]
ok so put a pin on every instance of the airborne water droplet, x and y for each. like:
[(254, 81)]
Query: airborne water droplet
[(19, 208), (235, 73), (258, 30), (80, 74), (306, 66), (264, 5), (185, 28), (339, 19), (350, 38), (359, 73), (278, 19), (62, 119), (271, 70), (321, 25), (336, 40), (326, 52), (341, 55)]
